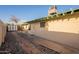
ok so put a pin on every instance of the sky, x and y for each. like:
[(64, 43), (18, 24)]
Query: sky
[(29, 12)]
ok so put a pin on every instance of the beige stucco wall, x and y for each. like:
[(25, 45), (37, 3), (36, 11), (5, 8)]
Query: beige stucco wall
[(70, 25), (36, 27), (2, 32)]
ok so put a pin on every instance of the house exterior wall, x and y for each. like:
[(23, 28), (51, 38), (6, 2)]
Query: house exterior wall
[(36, 27), (70, 25), (66, 24)]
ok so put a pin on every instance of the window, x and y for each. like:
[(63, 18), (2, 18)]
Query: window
[(42, 24)]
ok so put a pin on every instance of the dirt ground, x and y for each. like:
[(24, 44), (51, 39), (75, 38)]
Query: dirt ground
[(11, 45), (19, 43)]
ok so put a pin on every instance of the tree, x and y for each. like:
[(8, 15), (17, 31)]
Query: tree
[(14, 19)]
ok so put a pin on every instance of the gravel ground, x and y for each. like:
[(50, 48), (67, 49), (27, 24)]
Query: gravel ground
[(11, 45)]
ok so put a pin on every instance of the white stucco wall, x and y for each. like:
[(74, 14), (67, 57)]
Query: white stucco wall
[(12, 27)]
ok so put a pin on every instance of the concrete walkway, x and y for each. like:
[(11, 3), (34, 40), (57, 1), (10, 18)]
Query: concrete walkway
[(69, 39)]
